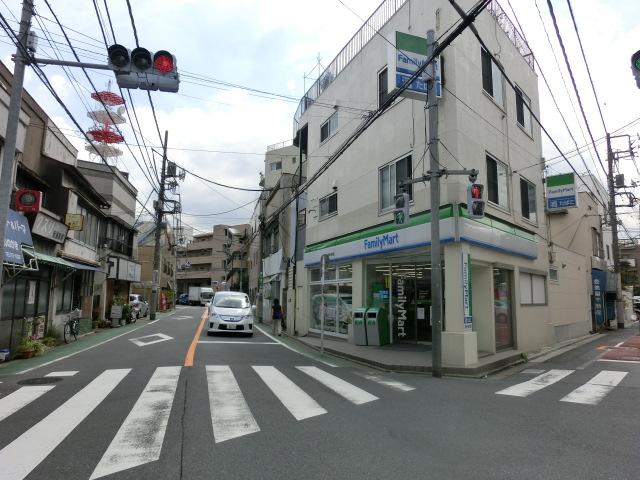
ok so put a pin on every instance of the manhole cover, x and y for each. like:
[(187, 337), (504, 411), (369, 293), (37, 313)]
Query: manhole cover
[(39, 381)]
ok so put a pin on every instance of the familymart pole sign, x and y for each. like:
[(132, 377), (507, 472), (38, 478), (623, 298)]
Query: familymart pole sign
[(561, 192)]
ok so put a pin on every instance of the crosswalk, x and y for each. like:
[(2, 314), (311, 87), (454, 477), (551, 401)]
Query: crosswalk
[(590, 393), (140, 438)]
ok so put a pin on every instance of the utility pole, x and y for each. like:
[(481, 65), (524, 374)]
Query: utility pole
[(434, 184), (13, 120), (260, 294), (159, 215), (613, 222)]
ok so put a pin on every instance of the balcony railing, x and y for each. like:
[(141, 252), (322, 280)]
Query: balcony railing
[(375, 22), (116, 245), (512, 32), (277, 146)]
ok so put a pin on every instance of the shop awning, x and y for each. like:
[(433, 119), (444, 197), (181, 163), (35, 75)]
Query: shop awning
[(51, 260), (82, 266)]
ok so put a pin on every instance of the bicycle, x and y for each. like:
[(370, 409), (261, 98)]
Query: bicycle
[(72, 325)]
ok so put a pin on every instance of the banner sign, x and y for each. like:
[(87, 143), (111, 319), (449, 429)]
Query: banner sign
[(466, 292), (50, 228), (561, 192), (599, 281), (17, 233), (75, 221)]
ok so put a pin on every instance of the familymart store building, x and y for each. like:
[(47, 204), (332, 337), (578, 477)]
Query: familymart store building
[(494, 278)]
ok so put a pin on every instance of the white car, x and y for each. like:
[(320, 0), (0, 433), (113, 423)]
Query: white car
[(230, 312)]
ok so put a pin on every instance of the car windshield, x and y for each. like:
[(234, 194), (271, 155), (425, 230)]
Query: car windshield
[(206, 295), (231, 302)]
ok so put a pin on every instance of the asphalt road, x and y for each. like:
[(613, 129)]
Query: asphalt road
[(256, 408)]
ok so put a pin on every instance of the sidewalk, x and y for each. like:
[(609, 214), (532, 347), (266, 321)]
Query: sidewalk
[(84, 342), (418, 359)]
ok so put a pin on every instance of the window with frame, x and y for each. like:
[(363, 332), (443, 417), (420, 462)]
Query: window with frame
[(596, 243), (329, 127), (553, 274), (275, 166), (533, 290), (329, 205), (523, 114), (528, 200), (383, 86), (497, 185), (492, 82), (390, 177)]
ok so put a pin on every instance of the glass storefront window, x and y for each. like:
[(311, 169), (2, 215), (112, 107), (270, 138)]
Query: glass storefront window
[(337, 299), (345, 272)]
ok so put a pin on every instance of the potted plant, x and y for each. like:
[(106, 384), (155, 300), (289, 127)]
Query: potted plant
[(29, 348)]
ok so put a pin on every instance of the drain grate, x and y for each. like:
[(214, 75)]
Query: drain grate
[(39, 381)]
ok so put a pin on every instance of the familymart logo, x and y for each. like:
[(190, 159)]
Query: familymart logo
[(382, 241)]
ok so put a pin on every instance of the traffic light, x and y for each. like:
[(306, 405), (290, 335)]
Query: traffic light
[(475, 200), (401, 213), (635, 67), (143, 69)]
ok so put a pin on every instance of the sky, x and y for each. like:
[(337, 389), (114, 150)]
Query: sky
[(222, 132)]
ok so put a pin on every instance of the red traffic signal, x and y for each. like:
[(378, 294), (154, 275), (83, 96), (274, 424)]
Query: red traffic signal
[(163, 62), (475, 200)]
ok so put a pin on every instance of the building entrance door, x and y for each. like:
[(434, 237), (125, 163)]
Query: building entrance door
[(502, 295)]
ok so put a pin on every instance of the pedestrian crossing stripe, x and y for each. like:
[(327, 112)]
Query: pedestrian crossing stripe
[(590, 393), (140, 438)]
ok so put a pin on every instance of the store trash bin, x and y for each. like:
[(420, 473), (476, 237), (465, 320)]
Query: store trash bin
[(359, 326), (377, 326)]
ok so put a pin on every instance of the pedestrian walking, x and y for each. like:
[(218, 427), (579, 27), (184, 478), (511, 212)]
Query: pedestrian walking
[(276, 317)]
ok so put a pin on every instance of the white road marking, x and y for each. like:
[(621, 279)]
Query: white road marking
[(618, 344), (139, 439), (525, 389), (66, 373), (45, 364), (26, 452), (143, 341), (292, 397), (261, 330), (618, 361), (345, 389), (20, 398), (592, 392), (239, 342), (230, 414), (394, 384), (533, 371)]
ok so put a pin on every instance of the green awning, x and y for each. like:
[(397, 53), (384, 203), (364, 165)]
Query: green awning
[(51, 260)]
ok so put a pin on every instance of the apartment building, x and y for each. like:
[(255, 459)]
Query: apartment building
[(491, 267)]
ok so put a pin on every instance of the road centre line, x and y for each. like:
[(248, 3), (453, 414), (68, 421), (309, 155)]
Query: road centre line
[(293, 349), (191, 352)]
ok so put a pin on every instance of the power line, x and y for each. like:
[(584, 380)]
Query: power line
[(43, 77), (575, 86), (219, 213), (586, 64), (133, 24), (96, 91)]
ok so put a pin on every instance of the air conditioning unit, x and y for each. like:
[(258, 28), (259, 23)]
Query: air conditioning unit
[(28, 200)]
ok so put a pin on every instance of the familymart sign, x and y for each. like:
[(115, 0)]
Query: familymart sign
[(561, 192)]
